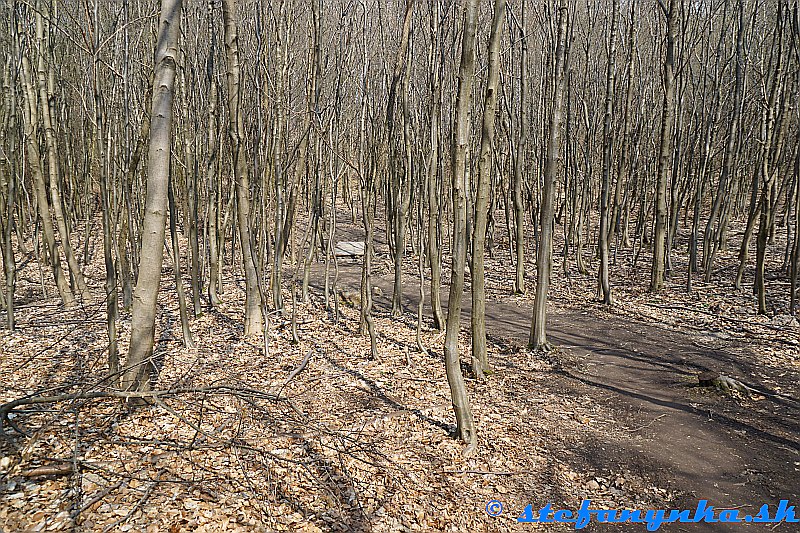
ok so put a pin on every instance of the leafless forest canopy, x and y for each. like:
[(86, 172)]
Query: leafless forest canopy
[(190, 154)]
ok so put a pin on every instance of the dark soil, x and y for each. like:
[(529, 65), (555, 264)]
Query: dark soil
[(734, 452)]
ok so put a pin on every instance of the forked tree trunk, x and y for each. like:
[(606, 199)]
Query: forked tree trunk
[(480, 361), (461, 140), (254, 317)]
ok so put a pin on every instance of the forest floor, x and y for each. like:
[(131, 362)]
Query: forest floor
[(351, 444)]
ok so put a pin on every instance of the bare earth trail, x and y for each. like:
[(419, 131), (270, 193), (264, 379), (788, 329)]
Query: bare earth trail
[(703, 445)]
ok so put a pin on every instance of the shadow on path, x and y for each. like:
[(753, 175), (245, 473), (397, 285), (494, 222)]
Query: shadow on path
[(733, 453)]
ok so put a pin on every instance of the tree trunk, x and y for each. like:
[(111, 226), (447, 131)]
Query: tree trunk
[(605, 286), (667, 120), (52, 157), (461, 138), (8, 182), (544, 251), (176, 266), (400, 186), (795, 271), (709, 236), (214, 189), (254, 318), (519, 164), (139, 364), (480, 361), (102, 171), (434, 212), (30, 122)]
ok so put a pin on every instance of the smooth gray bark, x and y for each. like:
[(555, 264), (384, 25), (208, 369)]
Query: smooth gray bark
[(139, 364)]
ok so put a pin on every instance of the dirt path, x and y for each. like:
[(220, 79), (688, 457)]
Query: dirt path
[(733, 453)]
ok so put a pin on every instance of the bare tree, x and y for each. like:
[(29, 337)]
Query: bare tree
[(139, 364), (605, 286), (480, 362), (667, 121), (400, 173), (461, 139), (519, 162), (544, 252), (254, 317)]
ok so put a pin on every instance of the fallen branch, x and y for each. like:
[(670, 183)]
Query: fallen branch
[(481, 472), (659, 417), (9, 407), (48, 470), (96, 498), (296, 371)]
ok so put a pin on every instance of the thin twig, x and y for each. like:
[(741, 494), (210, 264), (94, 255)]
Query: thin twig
[(648, 424), (296, 371)]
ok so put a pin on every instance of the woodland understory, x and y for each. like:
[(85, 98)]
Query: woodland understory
[(338, 265), (348, 443)]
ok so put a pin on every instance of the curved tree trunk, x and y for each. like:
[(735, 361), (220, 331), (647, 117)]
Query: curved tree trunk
[(461, 139)]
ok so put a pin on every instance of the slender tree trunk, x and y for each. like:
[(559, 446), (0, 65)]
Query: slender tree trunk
[(125, 233), (280, 169), (367, 192), (544, 251), (615, 221), (605, 286), (519, 163), (30, 122), (771, 146), (461, 138), (254, 318), (190, 175), (52, 157), (176, 266), (434, 211), (667, 120), (399, 184), (795, 271), (480, 361), (710, 237), (102, 171), (9, 188), (139, 364), (214, 189)]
